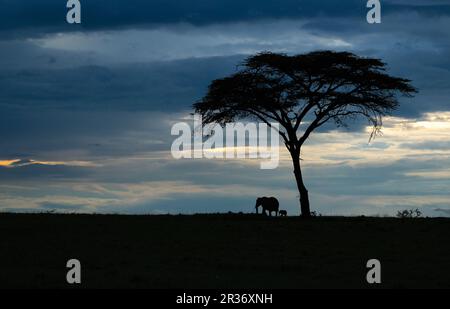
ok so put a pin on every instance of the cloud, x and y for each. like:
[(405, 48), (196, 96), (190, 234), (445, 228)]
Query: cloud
[(41, 172), (26, 162), (22, 18), (82, 136), (169, 86), (168, 67), (421, 3), (184, 41), (433, 145), (443, 211)]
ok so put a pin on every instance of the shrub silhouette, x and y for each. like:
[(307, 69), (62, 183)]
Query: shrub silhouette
[(409, 213)]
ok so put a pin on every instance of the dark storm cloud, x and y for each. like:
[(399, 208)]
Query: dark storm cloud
[(83, 135), (20, 17), (165, 86), (35, 76), (34, 18)]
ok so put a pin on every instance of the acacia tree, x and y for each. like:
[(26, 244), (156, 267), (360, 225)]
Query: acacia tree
[(302, 93)]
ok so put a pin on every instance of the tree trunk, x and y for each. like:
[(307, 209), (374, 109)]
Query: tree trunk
[(304, 197)]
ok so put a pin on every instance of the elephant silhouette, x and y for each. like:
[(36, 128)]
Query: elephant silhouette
[(269, 204), (282, 213)]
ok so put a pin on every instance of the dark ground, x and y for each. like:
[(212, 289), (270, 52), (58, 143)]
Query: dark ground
[(222, 251)]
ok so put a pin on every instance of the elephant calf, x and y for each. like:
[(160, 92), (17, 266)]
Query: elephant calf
[(282, 213)]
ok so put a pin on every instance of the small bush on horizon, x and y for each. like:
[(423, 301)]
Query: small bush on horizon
[(315, 214), (409, 213)]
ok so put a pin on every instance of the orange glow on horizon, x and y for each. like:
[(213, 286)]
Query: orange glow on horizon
[(8, 163)]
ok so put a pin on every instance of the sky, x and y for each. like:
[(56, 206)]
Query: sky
[(87, 110)]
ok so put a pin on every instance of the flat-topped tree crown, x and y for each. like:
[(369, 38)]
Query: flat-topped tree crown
[(302, 93)]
